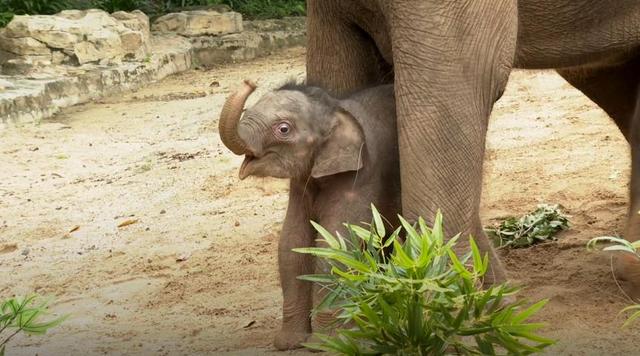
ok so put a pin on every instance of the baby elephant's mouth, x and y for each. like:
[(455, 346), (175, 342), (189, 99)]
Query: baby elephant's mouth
[(244, 168), (263, 164)]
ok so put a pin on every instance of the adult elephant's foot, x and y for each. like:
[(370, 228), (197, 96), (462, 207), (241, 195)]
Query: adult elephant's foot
[(289, 340), (626, 268)]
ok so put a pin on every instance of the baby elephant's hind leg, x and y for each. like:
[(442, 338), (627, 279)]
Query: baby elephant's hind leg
[(352, 207), (322, 321)]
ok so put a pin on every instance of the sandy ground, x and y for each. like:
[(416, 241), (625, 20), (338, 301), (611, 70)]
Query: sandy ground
[(196, 272)]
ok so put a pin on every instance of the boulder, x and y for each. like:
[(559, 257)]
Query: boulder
[(30, 66), (138, 39), (199, 23), (59, 57), (132, 41), (135, 20), (75, 36), (99, 45), (5, 84), (24, 46)]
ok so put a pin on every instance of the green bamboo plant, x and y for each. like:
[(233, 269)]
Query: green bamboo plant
[(23, 315), (420, 299)]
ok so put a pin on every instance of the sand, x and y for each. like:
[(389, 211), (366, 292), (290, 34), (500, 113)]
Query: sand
[(194, 271)]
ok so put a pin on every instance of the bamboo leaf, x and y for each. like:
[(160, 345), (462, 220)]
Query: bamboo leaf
[(378, 221), (317, 278), (331, 241), (633, 316)]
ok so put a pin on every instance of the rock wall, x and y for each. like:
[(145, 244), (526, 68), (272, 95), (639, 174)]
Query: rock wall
[(51, 62), (26, 99), (29, 43), (199, 23), (259, 38)]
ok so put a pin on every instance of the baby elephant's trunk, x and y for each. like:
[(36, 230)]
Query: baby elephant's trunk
[(230, 117)]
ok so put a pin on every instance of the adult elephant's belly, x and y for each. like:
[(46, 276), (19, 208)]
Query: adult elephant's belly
[(569, 33)]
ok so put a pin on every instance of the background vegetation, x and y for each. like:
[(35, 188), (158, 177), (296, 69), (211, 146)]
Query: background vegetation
[(250, 9)]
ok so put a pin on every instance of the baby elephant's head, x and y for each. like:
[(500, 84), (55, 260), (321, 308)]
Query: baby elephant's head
[(292, 132)]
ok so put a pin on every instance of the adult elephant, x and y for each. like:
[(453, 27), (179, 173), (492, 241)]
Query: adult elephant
[(450, 61)]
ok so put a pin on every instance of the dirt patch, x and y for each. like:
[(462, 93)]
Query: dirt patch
[(7, 248), (196, 273)]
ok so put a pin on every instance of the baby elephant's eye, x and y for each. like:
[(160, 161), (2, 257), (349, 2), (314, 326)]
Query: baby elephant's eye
[(283, 129)]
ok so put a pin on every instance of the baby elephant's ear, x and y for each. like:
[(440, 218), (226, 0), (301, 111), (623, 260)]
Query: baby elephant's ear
[(343, 147)]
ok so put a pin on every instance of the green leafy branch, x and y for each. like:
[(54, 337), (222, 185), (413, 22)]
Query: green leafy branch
[(620, 245), (421, 299), (23, 315), (537, 226)]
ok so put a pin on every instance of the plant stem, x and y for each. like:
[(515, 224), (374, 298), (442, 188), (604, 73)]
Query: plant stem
[(9, 322), (533, 224), (10, 336)]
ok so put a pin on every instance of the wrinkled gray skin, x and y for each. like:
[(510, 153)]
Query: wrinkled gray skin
[(450, 61), (341, 156)]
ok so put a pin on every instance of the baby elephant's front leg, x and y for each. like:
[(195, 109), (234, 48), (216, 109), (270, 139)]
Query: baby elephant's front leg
[(297, 298), (296, 303)]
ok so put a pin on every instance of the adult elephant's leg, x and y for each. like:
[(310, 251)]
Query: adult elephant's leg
[(615, 90), (627, 265), (340, 57), (452, 59)]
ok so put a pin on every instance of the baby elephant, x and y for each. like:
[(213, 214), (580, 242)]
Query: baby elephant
[(340, 156)]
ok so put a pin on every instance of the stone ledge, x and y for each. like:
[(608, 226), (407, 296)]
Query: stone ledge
[(199, 23), (246, 45), (31, 100), (86, 36), (288, 24), (26, 99)]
